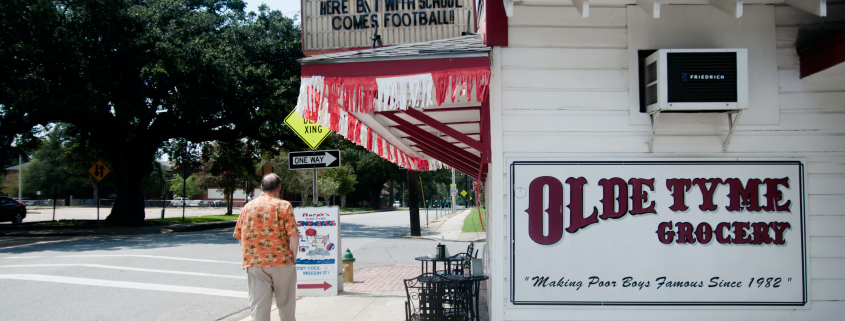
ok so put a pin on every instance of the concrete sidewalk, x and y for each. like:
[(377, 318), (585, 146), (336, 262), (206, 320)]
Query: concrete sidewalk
[(449, 228)]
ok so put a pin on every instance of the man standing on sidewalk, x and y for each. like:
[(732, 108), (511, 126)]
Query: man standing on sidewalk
[(266, 230)]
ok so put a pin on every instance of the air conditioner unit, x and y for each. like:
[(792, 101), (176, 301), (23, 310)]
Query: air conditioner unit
[(696, 80)]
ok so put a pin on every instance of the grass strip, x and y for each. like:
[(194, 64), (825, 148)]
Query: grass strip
[(195, 219), (472, 224)]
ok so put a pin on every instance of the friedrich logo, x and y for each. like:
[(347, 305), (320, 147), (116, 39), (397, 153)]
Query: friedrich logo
[(686, 76)]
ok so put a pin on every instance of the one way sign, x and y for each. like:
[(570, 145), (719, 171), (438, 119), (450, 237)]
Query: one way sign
[(314, 159)]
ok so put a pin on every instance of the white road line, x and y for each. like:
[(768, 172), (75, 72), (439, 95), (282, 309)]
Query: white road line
[(22, 257), (126, 268), (125, 285), (36, 243), (152, 257)]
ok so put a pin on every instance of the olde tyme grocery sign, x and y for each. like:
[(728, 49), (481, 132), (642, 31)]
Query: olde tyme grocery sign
[(657, 233), (335, 24)]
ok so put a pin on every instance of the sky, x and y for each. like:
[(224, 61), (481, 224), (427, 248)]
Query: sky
[(288, 7)]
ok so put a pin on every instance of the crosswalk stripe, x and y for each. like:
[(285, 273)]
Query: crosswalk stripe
[(152, 257), (125, 285), (127, 268)]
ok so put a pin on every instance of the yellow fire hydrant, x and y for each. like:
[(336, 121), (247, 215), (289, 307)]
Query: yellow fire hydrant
[(348, 262)]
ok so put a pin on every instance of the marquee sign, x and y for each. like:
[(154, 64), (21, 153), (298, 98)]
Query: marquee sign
[(658, 233), (345, 24)]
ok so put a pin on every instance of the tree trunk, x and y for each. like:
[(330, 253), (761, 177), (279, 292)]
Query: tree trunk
[(130, 162), (231, 196), (343, 201)]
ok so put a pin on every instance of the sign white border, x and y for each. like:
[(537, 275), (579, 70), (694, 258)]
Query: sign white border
[(517, 161)]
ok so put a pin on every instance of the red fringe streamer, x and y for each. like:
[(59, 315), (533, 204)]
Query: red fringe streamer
[(468, 78)]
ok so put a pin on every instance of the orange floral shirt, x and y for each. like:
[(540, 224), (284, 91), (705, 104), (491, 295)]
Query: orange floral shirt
[(265, 227)]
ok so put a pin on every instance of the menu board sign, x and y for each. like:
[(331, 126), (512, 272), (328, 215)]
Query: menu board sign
[(705, 233), (318, 259), (329, 25)]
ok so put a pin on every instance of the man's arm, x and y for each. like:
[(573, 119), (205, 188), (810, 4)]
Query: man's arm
[(294, 246)]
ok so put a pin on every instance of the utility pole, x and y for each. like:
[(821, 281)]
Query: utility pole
[(414, 203), (453, 189), (20, 175)]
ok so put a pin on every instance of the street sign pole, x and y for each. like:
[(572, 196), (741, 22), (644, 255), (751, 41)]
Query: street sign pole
[(97, 196), (454, 190), (184, 192), (54, 202), (314, 173)]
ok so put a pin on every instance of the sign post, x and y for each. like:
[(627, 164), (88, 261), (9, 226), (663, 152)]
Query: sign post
[(98, 171), (314, 160)]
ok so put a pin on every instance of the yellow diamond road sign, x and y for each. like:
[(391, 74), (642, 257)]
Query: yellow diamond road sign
[(99, 170), (464, 193), (311, 133)]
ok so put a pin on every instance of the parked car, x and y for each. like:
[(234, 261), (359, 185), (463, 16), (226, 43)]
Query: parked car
[(177, 201), (397, 204), (197, 203), (217, 203), (11, 210)]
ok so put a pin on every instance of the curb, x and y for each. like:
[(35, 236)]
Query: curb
[(113, 231)]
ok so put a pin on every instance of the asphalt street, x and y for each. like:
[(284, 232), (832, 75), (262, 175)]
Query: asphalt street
[(178, 276)]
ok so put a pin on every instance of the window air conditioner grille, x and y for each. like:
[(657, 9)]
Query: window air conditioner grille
[(701, 77)]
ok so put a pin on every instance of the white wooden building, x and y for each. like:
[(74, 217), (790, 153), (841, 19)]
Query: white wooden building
[(561, 102)]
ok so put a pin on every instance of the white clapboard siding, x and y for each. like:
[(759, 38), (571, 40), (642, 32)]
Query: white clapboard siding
[(827, 247), (785, 36), (827, 290), (565, 58), (827, 165), (787, 16), (567, 37), (564, 79), (684, 124), (826, 184), (788, 59), (827, 226), (815, 101), (791, 82), (567, 17), (826, 205), (636, 142), (544, 99), (828, 268)]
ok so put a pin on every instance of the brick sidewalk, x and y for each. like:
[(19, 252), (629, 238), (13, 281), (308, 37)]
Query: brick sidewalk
[(382, 278)]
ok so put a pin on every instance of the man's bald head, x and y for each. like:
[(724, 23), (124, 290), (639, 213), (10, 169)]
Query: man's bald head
[(270, 182)]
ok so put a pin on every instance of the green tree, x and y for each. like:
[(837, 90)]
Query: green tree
[(131, 75), (156, 182), (345, 178), (371, 171), (62, 161), (191, 189), (229, 166), (328, 187)]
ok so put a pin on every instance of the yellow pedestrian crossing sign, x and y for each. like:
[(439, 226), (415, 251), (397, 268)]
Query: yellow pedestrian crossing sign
[(464, 193), (311, 133), (99, 170)]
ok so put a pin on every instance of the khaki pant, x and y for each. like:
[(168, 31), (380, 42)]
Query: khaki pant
[(266, 281)]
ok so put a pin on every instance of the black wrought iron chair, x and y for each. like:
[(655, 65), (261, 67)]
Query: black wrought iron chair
[(433, 297)]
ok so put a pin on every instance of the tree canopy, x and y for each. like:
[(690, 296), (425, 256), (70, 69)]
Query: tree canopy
[(131, 75)]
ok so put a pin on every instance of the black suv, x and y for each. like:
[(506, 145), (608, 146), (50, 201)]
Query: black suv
[(11, 210)]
